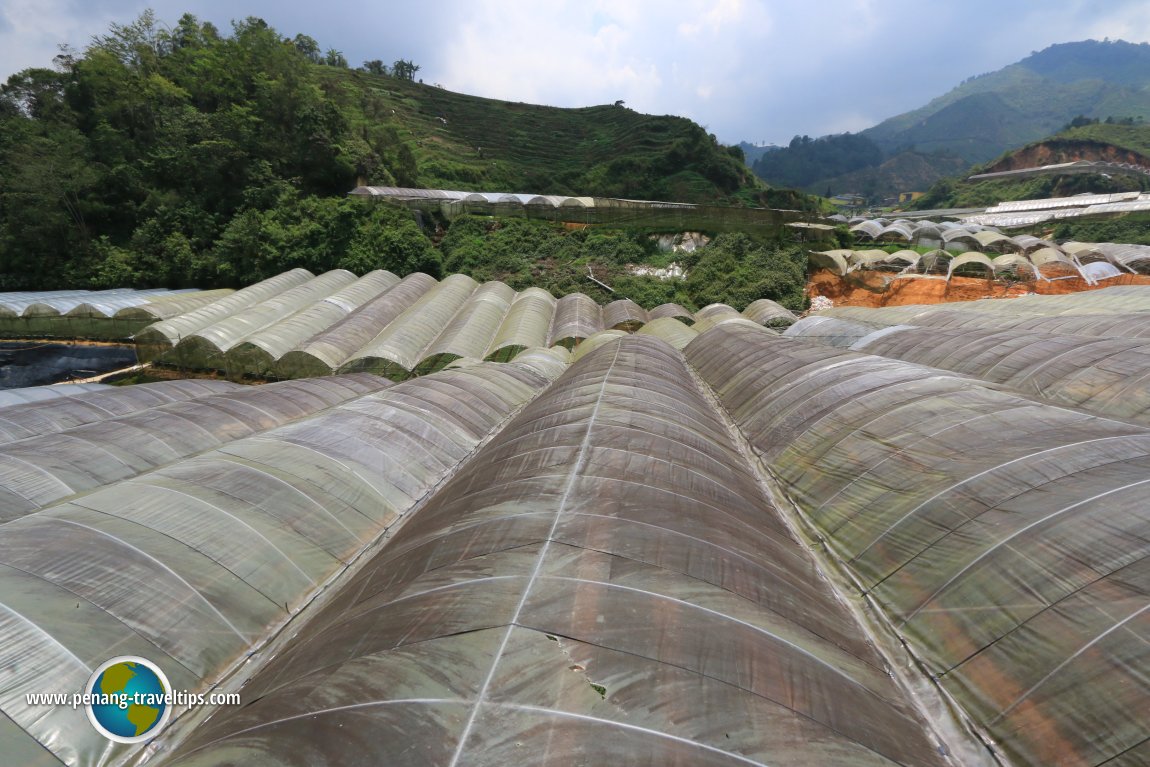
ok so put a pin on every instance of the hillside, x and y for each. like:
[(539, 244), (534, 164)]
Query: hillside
[(1026, 101), (180, 155), (1096, 142), (472, 143)]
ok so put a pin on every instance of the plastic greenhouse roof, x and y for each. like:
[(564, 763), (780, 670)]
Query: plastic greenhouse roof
[(1004, 538), (1108, 376), (767, 312), (163, 336), (327, 350), (39, 393), (500, 625), (671, 330), (240, 536), (526, 324), (707, 545)]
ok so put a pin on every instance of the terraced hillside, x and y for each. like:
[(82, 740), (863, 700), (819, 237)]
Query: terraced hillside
[(473, 143)]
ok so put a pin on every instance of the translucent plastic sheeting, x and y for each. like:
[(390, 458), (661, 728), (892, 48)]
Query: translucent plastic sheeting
[(161, 337), (670, 330), (46, 468), (193, 565), (397, 349), (471, 330), (1113, 311), (835, 260), (714, 310), (1108, 376), (576, 317), (49, 414), (829, 331), (624, 314), (899, 231), (1014, 264), (767, 312), (1053, 264), (55, 305), (525, 325), (589, 345), (718, 314), (107, 306), (971, 264), (604, 582), (995, 242), (39, 393), (260, 352), (207, 347), (1099, 271), (13, 304), (549, 362), (324, 352), (671, 310), (1008, 541), (868, 229)]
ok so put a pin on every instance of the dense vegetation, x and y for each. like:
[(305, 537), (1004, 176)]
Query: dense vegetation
[(185, 156), (807, 160), (1088, 140), (733, 268), (1134, 230), (998, 111)]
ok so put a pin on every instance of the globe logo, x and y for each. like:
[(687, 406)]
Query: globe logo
[(127, 699)]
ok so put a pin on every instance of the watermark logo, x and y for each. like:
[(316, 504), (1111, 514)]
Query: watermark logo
[(128, 699)]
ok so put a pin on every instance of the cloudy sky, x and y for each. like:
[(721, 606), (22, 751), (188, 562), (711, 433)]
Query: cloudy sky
[(754, 70)]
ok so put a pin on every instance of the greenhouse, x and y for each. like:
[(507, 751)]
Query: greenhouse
[(297, 325), (915, 535), (80, 313), (563, 600), (1005, 539)]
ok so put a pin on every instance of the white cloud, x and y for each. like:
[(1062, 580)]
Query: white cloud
[(746, 68)]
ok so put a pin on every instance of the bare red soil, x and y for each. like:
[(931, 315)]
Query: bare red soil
[(881, 289)]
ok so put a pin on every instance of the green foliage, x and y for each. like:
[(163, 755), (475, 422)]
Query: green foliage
[(736, 269), (994, 112), (180, 155), (808, 160), (1133, 230), (321, 234), (404, 69), (733, 268), (1114, 140)]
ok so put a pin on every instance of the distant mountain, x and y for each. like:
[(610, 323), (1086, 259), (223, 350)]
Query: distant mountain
[(752, 152), (907, 171), (989, 114), (995, 112)]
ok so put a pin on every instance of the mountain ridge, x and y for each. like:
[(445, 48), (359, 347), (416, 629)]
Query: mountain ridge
[(992, 113)]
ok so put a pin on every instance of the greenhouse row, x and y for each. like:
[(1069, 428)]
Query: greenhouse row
[(300, 325), (1090, 262), (104, 314), (1030, 212), (950, 235), (1005, 540), (706, 544), (985, 246)]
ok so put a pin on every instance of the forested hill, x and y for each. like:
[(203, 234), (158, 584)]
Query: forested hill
[(183, 155), (978, 120), (1026, 101)]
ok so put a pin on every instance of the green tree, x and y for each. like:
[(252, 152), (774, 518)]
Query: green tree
[(376, 67), (404, 69)]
